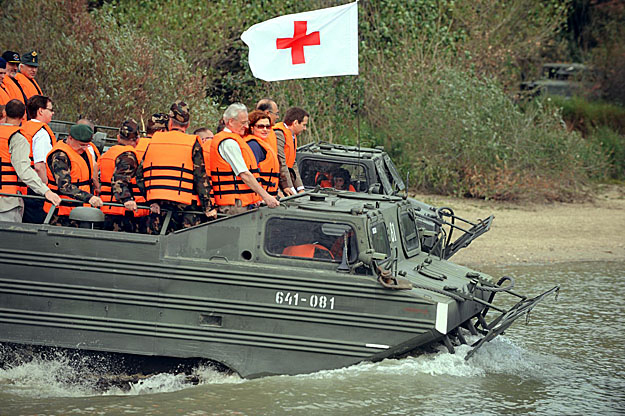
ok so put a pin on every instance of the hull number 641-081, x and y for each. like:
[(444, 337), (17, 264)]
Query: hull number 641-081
[(312, 301)]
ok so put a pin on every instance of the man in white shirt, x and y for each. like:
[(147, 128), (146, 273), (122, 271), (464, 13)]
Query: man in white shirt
[(41, 138), (240, 190)]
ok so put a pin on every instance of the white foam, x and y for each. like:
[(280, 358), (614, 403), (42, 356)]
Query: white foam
[(58, 378), (498, 356)]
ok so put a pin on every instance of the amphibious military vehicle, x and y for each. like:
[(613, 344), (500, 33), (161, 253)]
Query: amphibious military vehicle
[(326, 280), (371, 170)]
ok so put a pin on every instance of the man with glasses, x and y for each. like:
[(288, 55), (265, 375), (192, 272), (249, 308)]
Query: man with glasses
[(15, 166), (41, 139), (234, 171)]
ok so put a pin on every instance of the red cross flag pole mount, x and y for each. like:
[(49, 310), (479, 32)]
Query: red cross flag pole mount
[(319, 43)]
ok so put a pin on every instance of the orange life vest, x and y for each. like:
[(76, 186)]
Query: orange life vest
[(106, 163), (9, 181), (80, 172), (168, 167), (227, 187), (316, 251), (272, 140), (290, 143), (29, 86), (30, 128), (5, 96), (142, 146), (15, 90), (268, 169)]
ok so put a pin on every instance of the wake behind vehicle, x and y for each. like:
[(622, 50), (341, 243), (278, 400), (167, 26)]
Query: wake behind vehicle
[(326, 280)]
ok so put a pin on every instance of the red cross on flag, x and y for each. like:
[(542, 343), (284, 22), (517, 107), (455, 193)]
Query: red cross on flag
[(320, 43)]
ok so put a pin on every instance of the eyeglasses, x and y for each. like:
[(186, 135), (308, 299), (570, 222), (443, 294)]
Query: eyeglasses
[(49, 109), (243, 123), (262, 126)]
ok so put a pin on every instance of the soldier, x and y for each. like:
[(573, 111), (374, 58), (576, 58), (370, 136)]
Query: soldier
[(28, 67), (10, 84), (234, 171), (173, 175), (70, 173), (118, 168), (15, 171), (95, 155), (158, 122), (295, 121), (41, 139)]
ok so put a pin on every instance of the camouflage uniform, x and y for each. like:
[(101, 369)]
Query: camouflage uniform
[(125, 169), (60, 168), (181, 218), (121, 184)]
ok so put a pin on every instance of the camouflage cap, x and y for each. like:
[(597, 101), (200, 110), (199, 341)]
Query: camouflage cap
[(31, 58), (179, 111), (81, 132), (158, 121), (11, 57), (129, 130)]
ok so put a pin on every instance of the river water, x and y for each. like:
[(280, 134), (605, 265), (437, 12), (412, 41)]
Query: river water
[(569, 359)]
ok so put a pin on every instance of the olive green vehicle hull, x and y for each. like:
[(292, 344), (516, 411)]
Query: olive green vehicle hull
[(201, 293)]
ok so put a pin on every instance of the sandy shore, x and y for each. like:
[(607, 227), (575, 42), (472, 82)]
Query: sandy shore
[(543, 233)]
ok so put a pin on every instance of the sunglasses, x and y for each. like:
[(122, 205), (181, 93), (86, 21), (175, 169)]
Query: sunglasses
[(262, 126)]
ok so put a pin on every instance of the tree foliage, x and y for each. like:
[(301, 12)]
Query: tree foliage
[(435, 77)]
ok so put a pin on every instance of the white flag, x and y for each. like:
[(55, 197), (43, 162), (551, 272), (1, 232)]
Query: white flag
[(319, 43)]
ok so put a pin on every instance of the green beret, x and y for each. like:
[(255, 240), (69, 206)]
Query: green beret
[(81, 132)]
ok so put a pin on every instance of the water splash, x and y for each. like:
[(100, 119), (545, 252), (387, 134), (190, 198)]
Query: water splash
[(63, 374)]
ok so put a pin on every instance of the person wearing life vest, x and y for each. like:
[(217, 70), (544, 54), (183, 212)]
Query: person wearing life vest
[(28, 68), (234, 171), (4, 93), (311, 251), (266, 158), (95, 155), (9, 84), (70, 173), (342, 181), (41, 139), (269, 107), (173, 175), (16, 174), (295, 122), (158, 122), (118, 169)]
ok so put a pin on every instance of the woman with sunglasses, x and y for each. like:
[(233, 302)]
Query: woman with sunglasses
[(268, 165)]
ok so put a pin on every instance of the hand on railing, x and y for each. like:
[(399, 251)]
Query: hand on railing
[(95, 201), (52, 197)]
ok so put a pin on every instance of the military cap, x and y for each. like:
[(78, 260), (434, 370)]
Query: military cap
[(31, 58), (11, 57), (3, 63), (158, 121), (179, 111), (81, 132), (129, 130)]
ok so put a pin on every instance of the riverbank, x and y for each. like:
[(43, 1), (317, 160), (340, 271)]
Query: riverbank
[(543, 233)]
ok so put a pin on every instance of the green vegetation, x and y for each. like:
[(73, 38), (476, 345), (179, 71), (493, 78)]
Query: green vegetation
[(435, 88)]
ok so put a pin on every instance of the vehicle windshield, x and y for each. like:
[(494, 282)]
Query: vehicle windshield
[(393, 174), (314, 240), (379, 238), (333, 174), (409, 232)]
